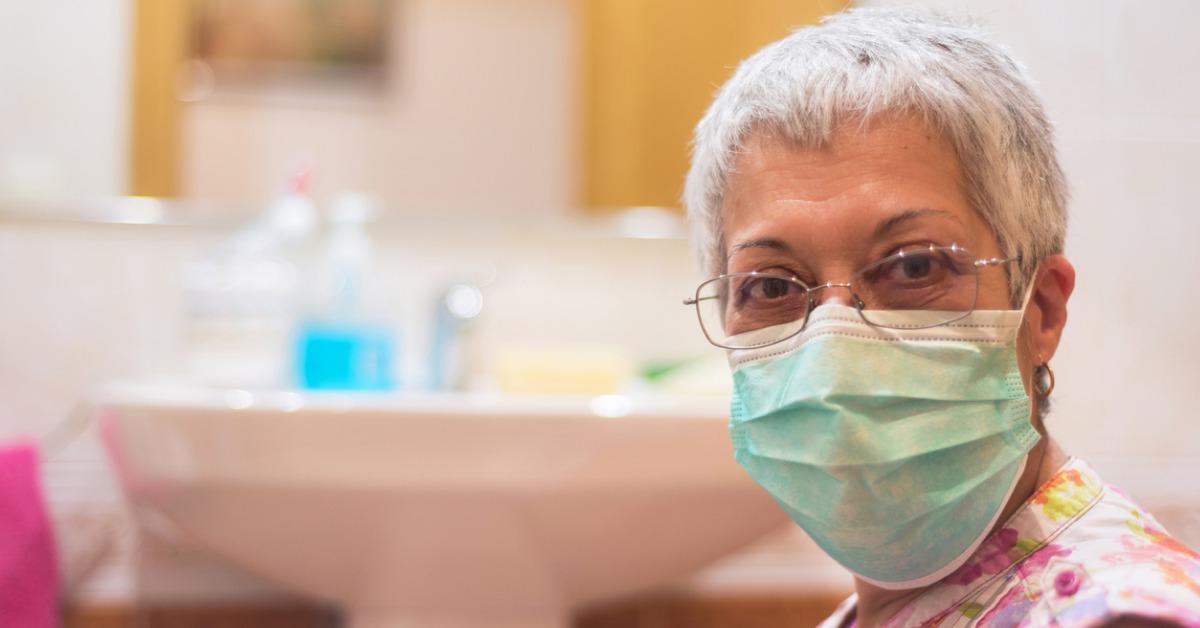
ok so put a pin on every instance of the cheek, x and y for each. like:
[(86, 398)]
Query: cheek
[(994, 293)]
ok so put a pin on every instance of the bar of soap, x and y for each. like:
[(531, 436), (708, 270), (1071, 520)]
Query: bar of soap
[(562, 369)]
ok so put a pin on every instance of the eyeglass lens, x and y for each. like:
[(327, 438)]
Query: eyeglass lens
[(752, 309)]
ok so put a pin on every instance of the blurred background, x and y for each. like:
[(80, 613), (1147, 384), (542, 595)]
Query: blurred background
[(483, 196)]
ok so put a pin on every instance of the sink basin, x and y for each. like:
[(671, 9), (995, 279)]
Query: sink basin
[(441, 510)]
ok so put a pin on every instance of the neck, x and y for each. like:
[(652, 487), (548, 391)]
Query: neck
[(876, 605)]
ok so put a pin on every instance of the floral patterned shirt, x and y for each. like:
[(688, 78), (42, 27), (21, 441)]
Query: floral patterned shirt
[(1078, 553)]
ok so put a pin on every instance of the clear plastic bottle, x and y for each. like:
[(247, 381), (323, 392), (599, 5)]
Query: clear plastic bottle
[(339, 346), (242, 297)]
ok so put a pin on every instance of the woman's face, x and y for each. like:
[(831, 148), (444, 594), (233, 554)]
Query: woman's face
[(821, 215)]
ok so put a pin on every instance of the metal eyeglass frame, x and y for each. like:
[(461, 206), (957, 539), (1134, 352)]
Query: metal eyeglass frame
[(859, 305)]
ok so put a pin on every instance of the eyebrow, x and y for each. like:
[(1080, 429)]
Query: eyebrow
[(762, 243), (891, 223)]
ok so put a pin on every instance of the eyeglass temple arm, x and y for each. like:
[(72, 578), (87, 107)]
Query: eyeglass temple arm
[(995, 261)]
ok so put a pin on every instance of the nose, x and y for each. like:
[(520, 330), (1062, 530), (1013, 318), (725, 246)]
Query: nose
[(839, 293)]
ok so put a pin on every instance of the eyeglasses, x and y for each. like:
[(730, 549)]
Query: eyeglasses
[(756, 309)]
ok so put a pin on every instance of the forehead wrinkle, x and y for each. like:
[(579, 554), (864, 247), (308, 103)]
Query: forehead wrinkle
[(908, 215)]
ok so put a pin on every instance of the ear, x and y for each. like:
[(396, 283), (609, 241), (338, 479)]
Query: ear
[(1047, 313)]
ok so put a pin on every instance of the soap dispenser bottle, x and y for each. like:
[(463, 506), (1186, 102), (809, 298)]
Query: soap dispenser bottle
[(338, 345)]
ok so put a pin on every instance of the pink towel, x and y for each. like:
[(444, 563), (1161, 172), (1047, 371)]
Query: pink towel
[(28, 564)]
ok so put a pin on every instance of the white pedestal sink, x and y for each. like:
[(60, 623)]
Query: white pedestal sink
[(441, 510)]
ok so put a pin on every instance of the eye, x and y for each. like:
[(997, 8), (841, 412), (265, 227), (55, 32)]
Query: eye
[(912, 268), (760, 301), (920, 277), (760, 291), (916, 267), (774, 288)]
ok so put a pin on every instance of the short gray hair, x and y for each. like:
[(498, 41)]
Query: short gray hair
[(870, 62)]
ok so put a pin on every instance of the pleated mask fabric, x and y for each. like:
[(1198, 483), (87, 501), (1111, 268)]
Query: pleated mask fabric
[(894, 448)]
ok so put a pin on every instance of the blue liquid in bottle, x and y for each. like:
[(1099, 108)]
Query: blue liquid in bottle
[(345, 356), (339, 347)]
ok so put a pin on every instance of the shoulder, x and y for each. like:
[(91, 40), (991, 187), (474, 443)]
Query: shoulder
[(1114, 565), (1130, 584), (1132, 594)]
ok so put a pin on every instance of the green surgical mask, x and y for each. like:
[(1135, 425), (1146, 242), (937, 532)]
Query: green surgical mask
[(894, 449)]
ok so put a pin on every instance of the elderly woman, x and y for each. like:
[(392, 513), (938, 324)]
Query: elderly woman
[(880, 205)]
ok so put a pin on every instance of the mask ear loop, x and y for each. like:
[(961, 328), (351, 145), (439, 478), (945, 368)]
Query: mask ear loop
[(1043, 375), (1028, 295)]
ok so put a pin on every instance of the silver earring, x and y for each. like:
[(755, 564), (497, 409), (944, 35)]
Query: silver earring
[(1043, 380)]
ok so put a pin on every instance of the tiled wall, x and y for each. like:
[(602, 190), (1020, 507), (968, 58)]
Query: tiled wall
[(81, 305)]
